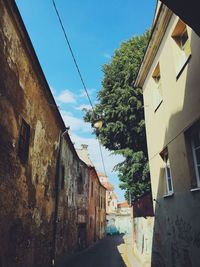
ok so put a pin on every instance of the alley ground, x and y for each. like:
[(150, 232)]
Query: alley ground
[(112, 251)]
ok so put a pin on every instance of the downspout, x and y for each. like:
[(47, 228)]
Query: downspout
[(57, 191)]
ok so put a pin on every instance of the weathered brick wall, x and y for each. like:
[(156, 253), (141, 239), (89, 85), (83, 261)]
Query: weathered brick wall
[(26, 190), (96, 209), (67, 216), (72, 204)]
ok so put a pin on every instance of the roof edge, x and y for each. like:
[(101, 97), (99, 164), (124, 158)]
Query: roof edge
[(30, 51), (160, 25)]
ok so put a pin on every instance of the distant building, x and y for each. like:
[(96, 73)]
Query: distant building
[(96, 213), (123, 218), (111, 198), (123, 207)]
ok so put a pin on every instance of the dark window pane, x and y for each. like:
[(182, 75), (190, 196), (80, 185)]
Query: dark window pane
[(23, 145), (168, 172), (170, 184), (62, 177), (197, 153), (196, 140), (80, 184), (199, 170), (184, 38)]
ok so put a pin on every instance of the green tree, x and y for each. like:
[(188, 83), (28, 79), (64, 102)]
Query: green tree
[(121, 105)]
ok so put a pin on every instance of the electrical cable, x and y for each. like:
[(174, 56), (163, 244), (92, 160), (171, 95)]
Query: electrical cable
[(79, 72), (72, 53)]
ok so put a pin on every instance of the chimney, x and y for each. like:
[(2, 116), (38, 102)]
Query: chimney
[(84, 147)]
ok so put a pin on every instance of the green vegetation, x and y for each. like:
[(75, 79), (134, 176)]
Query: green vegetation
[(121, 105)]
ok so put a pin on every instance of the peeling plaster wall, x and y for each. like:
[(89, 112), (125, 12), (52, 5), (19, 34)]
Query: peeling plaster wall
[(102, 211), (96, 209), (142, 238), (72, 206), (27, 190), (176, 239), (93, 207)]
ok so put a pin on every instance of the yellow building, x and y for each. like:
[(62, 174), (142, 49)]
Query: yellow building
[(170, 78)]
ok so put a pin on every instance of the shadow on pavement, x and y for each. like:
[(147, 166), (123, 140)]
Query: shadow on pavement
[(105, 253)]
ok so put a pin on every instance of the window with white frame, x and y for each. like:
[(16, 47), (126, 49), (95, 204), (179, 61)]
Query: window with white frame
[(168, 174), (157, 94), (195, 143)]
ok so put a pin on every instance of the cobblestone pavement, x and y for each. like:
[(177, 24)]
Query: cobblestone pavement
[(109, 252)]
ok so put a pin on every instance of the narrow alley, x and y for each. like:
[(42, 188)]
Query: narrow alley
[(109, 252), (99, 134)]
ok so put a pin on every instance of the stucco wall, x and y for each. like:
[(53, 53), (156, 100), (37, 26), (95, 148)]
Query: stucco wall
[(142, 239), (167, 126), (123, 223)]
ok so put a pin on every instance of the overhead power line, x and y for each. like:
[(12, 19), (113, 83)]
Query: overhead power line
[(72, 53), (79, 72)]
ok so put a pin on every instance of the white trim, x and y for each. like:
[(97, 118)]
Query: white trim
[(195, 189), (167, 165), (169, 195), (195, 161)]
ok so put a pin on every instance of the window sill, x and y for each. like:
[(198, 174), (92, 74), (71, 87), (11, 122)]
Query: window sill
[(195, 189), (158, 106), (168, 195), (183, 67)]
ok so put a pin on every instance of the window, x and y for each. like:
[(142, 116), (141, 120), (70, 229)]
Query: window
[(62, 177), (183, 51), (90, 222), (168, 175), (158, 97), (195, 143), (80, 184), (92, 189), (24, 138)]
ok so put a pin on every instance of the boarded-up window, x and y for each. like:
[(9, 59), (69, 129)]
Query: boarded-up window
[(24, 138), (92, 189), (62, 177), (80, 184)]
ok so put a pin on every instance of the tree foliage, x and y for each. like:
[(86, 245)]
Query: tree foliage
[(121, 105)]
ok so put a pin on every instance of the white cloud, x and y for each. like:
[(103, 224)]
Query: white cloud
[(90, 92), (76, 124), (83, 106), (66, 96)]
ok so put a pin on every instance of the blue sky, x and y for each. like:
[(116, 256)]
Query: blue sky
[(95, 29)]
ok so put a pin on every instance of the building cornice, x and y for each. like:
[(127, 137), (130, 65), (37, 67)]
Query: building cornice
[(160, 25)]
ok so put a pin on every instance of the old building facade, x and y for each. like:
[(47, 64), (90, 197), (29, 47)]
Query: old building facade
[(44, 184), (30, 132), (71, 200), (169, 76), (96, 200), (123, 218)]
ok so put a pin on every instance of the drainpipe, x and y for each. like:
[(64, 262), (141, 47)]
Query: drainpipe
[(57, 191)]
